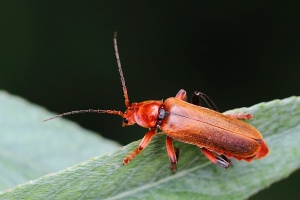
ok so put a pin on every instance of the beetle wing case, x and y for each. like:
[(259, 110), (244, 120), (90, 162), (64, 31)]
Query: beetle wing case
[(210, 129)]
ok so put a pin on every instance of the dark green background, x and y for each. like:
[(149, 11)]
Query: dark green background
[(59, 54)]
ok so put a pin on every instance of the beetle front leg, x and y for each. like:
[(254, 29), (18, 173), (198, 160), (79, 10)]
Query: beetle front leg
[(144, 143), (213, 158), (173, 155)]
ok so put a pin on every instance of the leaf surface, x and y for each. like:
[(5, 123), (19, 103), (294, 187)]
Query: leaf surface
[(30, 148), (149, 176)]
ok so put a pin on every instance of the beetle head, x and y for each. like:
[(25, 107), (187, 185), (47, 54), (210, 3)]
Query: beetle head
[(144, 114)]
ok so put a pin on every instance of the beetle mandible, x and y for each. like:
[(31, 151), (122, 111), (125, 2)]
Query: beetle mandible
[(224, 134)]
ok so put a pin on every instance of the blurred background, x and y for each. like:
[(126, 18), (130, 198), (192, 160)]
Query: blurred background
[(60, 55)]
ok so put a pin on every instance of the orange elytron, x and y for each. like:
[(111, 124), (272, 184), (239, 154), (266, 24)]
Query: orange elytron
[(211, 131)]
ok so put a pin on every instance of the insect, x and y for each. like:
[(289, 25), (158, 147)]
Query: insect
[(219, 136)]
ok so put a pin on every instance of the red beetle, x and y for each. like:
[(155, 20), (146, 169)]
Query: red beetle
[(190, 123)]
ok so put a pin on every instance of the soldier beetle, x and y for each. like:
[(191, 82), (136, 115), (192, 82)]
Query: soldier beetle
[(225, 135)]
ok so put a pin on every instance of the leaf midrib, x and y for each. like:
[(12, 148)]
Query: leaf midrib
[(156, 183)]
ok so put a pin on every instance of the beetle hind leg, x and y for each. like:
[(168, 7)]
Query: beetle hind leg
[(227, 159), (196, 100), (243, 116), (225, 163)]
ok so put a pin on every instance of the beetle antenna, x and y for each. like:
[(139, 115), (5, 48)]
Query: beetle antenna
[(120, 71), (113, 112)]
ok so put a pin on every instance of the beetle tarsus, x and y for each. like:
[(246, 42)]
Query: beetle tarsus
[(215, 159), (222, 163), (144, 143), (131, 155), (172, 153), (174, 164), (243, 116), (227, 160), (174, 167)]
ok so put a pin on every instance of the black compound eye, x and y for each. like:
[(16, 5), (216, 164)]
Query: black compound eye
[(125, 121)]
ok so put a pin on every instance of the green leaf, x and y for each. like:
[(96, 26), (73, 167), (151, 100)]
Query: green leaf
[(149, 176), (30, 148)]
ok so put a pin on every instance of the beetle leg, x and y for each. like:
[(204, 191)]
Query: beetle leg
[(181, 95), (196, 100), (213, 158), (144, 143), (177, 151), (227, 159), (245, 116), (171, 153), (174, 155)]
